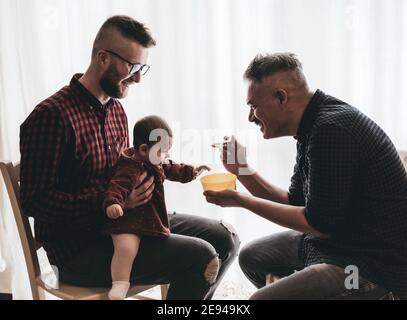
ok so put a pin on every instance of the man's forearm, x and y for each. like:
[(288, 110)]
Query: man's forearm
[(260, 188), (288, 216)]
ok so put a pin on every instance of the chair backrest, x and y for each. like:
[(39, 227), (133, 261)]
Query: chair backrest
[(403, 156), (11, 176)]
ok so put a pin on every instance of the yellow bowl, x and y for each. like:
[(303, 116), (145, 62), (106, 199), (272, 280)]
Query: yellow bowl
[(218, 182)]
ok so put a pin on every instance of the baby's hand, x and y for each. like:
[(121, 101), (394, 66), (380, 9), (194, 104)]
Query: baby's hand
[(199, 169), (114, 211)]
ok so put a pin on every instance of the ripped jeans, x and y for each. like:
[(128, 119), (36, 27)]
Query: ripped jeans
[(188, 259)]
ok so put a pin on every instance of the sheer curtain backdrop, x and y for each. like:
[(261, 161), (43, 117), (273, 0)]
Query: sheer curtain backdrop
[(352, 49)]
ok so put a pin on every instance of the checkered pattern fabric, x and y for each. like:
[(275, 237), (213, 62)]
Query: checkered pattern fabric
[(350, 179), (69, 146)]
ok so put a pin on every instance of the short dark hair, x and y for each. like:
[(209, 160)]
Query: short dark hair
[(143, 128), (266, 65), (131, 29), (128, 28)]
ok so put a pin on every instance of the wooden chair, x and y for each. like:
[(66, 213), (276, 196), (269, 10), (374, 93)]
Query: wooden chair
[(403, 155), (11, 175)]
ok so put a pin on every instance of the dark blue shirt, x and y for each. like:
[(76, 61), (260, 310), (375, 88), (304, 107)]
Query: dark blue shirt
[(353, 185)]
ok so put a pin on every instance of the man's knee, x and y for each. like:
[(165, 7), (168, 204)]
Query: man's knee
[(228, 239), (199, 251), (206, 260), (246, 258)]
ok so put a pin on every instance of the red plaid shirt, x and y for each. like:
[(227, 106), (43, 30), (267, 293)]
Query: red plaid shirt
[(69, 146)]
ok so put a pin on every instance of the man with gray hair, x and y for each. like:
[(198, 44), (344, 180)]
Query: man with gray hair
[(347, 202)]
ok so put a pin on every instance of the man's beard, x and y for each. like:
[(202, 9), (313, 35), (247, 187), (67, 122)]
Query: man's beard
[(109, 85)]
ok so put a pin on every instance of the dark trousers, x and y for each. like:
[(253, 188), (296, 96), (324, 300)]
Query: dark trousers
[(179, 260), (277, 254)]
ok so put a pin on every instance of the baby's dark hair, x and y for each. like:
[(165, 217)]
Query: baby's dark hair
[(145, 126)]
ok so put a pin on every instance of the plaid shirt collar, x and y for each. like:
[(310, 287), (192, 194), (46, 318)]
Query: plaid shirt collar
[(310, 114), (88, 99)]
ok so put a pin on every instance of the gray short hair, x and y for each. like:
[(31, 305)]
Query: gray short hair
[(266, 65)]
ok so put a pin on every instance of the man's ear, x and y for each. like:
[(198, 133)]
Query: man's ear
[(282, 96), (103, 58), (143, 149)]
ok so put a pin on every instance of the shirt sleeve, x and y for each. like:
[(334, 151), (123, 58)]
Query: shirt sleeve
[(120, 186), (295, 191), (332, 161), (178, 172), (42, 142)]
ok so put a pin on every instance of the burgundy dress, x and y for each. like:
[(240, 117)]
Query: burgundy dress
[(150, 218)]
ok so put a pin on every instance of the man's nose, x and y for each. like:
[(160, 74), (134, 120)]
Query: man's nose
[(136, 77)]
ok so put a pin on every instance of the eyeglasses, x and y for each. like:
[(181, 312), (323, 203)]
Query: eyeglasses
[(135, 67)]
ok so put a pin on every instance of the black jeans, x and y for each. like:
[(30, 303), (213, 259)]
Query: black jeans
[(277, 254), (179, 260)]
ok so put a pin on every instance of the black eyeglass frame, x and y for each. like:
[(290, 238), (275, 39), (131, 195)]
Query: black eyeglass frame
[(135, 67)]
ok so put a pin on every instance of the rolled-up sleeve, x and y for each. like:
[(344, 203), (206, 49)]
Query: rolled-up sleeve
[(179, 172)]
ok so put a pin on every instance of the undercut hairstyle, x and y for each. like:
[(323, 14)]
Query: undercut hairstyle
[(143, 128), (267, 65), (128, 28)]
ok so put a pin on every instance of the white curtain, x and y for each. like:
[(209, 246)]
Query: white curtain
[(352, 49)]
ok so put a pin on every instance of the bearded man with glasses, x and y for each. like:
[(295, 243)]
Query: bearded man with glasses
[(70, 145)]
